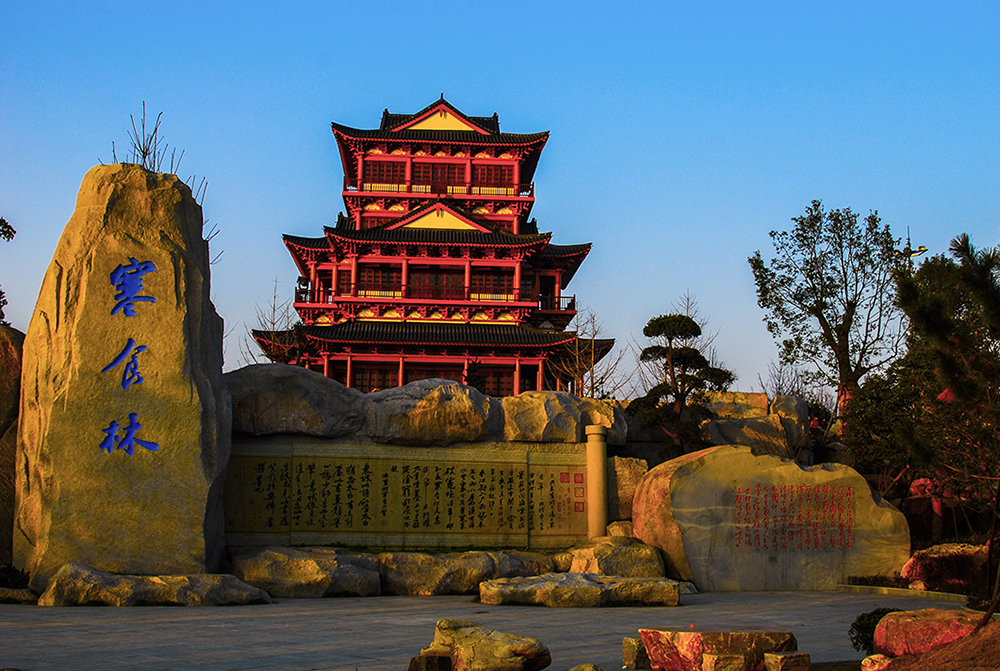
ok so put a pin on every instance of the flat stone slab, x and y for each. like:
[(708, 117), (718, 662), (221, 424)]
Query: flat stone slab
[(580, 590), (684, 650)]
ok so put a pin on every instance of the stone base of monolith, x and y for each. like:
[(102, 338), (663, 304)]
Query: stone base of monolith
[(124, 425)]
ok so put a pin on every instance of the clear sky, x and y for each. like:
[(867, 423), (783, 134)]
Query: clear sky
[(681, 132)]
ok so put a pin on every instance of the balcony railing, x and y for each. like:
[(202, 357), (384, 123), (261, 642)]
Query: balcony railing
[(560, 304), (545, 303), (518, 190)]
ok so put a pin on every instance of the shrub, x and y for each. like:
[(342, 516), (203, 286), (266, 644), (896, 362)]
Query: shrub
[(862, 632)]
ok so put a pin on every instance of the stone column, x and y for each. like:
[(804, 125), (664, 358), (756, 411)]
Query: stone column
[(597, 481)]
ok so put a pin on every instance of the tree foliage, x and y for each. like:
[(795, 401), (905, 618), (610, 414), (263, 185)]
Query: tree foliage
[(954, 310), (829, 295), (676, 402), (7, 232)]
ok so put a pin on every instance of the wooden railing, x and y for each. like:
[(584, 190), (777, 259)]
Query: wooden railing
[(518, 190)]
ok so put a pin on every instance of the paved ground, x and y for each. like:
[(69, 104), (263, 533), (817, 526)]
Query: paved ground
[(382, 633)]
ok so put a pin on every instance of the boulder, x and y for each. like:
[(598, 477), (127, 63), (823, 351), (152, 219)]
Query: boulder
[(875, 663), (587, 667), (787, 661), (418, 574), (621, 529), (472, 647), (8, 452), (791, 407), (24, 597), (124, 429), (580, 590), (912, 632), (951, 567), (634, 654), (78, 585), (737, 404), (617, 556), (296, 573), (278, 398), (683, 650), (728, 519), (623, 476), (11, 347), (560, 417), (517, 563), (766, 434), (833, 453), (712, 661), (432, 412)]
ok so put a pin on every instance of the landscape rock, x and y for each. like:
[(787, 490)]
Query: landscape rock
[(124, 428), (634, 654), (912, 632), (587, 667), (24, 597), (11, 347), (418, 574), (711, 661), (683, 650), (518, 564), (875, 663), (78, 585), (787, 661), (472, 647), (791, 407), (766, 434), (8, 487), (621, 529), (833, 453), (278, 398), (560, 417), (580, 590), (432, 412), (308, 572), (737, 404), (617, 556), (729, 520), (624, 475), (950, 567)]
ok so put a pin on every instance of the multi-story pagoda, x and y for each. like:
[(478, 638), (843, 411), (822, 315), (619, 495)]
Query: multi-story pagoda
[(436, 269)]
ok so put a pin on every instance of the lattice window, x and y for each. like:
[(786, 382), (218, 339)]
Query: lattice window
[(385, 172)]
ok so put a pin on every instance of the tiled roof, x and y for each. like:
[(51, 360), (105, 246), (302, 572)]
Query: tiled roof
[(458, 136), (390, 120), (405, 333), (308, 243), (566, 250), (437, 236)]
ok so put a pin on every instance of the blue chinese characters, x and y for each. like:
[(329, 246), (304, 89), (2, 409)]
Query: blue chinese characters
[(127, 281)]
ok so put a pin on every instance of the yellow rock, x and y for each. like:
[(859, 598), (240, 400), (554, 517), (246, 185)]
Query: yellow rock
[(125, 427)]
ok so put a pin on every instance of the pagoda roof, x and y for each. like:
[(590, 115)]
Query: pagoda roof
[(408, 333), (567, 257), (483, 131), (392, 121)]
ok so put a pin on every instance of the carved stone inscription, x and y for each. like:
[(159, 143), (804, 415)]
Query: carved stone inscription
[(450, 499), (794, 517)]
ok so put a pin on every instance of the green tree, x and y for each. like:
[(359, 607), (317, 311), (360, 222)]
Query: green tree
[(7, 232), (829, 295), (677, 401), (958, 319)]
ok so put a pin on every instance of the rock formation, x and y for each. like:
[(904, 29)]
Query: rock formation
[(580, 590), (475, 648), (731, 520), (11, 343), (78, 585), (124, 422)]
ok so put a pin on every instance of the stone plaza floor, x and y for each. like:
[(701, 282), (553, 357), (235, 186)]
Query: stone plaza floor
[(382, 633)]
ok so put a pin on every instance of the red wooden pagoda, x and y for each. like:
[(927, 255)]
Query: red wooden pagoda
[(435, 270)]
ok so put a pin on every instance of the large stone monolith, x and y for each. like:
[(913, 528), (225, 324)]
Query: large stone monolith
[(731, 519), (124, 426)]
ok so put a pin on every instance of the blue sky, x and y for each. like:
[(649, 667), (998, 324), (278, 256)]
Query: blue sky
[(682, 133)]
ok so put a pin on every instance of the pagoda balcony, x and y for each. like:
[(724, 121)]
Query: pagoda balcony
[(437, 190), (557, 303), (305, 296)]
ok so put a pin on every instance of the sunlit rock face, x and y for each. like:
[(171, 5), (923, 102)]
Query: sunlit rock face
[(728, 519), (125, 428)]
